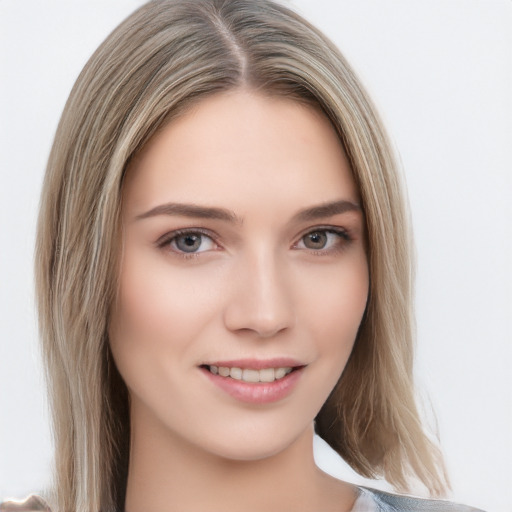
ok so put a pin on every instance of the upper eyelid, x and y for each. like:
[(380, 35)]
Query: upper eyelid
[(164, 239), (328, 228)]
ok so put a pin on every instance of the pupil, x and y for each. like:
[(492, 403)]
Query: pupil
[(189, 243), (316, 240)]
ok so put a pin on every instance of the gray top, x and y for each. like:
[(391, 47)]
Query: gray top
[(372, 500)]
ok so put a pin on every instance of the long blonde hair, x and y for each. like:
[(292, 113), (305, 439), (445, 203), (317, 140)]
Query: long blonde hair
[(162, 59)]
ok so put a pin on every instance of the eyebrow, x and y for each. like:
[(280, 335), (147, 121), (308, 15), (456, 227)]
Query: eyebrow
[(195, 211), (327, 210), (191, 210)]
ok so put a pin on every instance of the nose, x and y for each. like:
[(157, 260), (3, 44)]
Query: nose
[(261, 298)]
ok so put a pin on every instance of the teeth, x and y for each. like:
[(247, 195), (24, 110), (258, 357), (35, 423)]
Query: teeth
[(235, 373), (249, 375), (267, 375), (280, 373)]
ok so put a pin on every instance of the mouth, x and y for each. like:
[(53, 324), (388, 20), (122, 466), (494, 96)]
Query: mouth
[(255, 381)]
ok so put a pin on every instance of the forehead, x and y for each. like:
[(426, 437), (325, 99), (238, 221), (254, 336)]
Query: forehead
[(241, 147)]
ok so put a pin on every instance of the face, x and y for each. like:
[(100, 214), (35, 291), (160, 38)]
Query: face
[(243, 278)]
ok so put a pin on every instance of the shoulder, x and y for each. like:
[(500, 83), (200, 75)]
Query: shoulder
[(33, 503), (387, 502)]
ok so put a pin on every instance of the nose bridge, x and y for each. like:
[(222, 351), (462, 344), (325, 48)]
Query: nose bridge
[(262, 298)]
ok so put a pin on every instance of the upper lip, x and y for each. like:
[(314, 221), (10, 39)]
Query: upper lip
[(257, 364)]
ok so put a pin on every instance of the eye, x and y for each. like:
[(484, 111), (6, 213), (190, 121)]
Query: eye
[(188, 242), (323, 240)]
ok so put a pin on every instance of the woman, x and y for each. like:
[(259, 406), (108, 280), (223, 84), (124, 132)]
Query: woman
[(222, 259)]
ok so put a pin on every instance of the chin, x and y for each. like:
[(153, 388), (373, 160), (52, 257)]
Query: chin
[(254, 446)]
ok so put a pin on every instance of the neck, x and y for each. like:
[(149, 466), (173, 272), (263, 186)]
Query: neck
[(177, 476)]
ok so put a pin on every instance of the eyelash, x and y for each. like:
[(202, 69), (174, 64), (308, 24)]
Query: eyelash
[(166, 241), (344, 235)]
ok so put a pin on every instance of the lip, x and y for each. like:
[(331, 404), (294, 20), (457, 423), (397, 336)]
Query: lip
[(257, 392)]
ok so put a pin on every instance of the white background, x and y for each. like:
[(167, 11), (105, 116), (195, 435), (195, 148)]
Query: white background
[(441, 74)]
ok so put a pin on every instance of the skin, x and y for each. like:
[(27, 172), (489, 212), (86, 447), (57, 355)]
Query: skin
[(256, 287)]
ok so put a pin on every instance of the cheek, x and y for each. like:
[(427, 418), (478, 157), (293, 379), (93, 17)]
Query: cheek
[(159, 312), (334, 315), (336, 304), (334, 300), (145, 312)]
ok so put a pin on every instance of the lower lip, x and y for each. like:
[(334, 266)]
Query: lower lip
[(256, 392)]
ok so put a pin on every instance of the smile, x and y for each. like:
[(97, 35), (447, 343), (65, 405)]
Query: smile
[(250, 375), (253, 381)]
